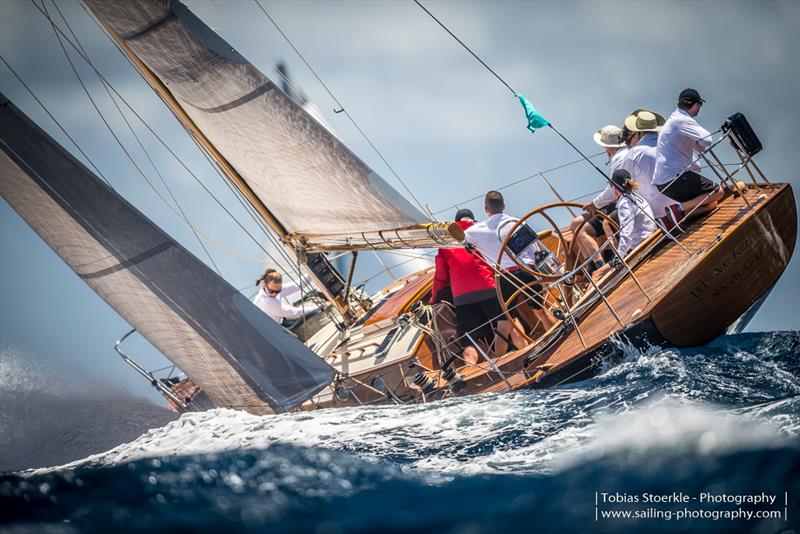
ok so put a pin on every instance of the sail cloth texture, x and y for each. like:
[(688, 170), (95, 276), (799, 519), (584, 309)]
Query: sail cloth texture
[(240, 357), (307, 178)]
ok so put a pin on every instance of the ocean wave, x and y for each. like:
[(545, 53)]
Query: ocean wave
[(724, 416)]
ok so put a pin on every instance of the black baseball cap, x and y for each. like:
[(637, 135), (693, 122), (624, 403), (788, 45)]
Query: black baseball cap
[(464, 213), (620, 178), (690, 97)]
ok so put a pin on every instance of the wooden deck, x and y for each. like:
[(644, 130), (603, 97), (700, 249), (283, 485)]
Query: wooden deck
[(727, 276)]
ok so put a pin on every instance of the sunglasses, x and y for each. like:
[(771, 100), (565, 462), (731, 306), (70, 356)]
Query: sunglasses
[(273, 291)]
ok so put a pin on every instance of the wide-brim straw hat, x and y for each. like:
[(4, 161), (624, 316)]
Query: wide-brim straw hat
[(644, 120), (609, 136)]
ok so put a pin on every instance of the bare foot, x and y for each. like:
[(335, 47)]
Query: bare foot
[(470, 356)]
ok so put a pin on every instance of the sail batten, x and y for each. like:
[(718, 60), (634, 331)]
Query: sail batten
[(304, 176), (238, 356)]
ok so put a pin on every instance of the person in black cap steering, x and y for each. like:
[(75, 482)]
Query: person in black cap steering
[(676, 174)]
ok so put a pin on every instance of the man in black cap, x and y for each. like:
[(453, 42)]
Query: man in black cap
[(676, 174)]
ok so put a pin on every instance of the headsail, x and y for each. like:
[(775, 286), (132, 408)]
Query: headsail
[(318, 194), (240, 357)]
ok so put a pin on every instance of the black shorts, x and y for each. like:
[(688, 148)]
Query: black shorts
[(510, 282), (479, 319), (687, 186), (596, 222)]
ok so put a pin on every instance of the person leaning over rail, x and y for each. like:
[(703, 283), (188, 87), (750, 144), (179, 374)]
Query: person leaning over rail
[(612, 139), (487, 238), (270, 290), (635, 214), (640, 162), (676, 174), (474, 296)]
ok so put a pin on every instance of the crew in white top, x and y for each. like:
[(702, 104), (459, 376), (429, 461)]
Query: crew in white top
[(487, 236), (635, 221), (588, 226), (271, 297), (676, 174), (640, 162), (635, 215), (680, 138), (607, 197)]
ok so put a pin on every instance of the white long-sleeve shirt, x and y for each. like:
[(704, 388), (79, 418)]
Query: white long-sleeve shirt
[(678, 140), (635, 222), (640, 162), (277, 308), (607, 196), (487, 236)]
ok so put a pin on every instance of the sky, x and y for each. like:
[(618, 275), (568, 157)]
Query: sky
[(448, 128)]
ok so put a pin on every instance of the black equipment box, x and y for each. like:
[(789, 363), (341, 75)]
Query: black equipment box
[(737, 124)]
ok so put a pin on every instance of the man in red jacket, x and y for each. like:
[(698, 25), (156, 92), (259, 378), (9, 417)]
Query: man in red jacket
[(472, 284)]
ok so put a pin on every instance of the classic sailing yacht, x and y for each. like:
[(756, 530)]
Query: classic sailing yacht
[(393, 347)]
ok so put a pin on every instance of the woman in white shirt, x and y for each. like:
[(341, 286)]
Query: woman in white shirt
[(268, 299), (635, 214)]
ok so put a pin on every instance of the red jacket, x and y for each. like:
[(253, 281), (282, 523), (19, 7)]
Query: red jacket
[(471, 279)]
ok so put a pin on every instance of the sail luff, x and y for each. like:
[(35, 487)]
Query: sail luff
[(302, 175), (225, 166), (180, 113), (239, 356)]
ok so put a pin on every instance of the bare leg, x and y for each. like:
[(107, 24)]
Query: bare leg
[(703, 204), (585, 238), (470, 356), (545, 317)]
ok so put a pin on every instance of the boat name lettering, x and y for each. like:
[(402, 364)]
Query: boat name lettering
[(747, 244)]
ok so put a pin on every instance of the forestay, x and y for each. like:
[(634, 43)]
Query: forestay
[(240, 357), (309, 181)]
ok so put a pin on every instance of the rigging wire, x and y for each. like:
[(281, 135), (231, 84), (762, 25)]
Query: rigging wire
[(482, 62), (513, 92), (63, 130), (249, 209), (549, 124), (141, 145), (342, 109), (519, 181), (174, 155), (133, 162)]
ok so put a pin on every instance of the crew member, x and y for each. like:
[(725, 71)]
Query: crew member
[(487, 237), (640, 162), (269, 299), (612, 138), (676, 174), (635, 213), (474, 295)]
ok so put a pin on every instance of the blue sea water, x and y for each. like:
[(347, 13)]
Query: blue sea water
[(720, 421)]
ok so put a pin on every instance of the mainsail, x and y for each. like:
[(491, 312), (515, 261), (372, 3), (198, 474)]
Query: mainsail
[(239, 357), (317, 194)]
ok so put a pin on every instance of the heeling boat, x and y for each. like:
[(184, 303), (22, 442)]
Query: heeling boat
[(393, 347)]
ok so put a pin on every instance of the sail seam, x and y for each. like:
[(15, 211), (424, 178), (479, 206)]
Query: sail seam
[(129, 262), (150, 27), (252, 95)]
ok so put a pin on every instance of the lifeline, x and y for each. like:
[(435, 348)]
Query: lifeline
[(759, 498)]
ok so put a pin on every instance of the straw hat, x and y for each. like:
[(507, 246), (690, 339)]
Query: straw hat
[(644, 120), (609, 136)]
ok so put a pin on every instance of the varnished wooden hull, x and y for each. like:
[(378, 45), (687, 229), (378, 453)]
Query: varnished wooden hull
[(731, 276), (692, 293), (736, 255)]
